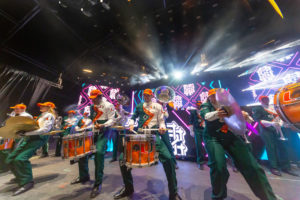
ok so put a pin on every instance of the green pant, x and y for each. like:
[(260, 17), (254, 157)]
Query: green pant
[(165, 158), (199, 147), (3, 155), (166, 139), (100, 142), (45, 148), (115, 144), (59, 141), (244, 161), (18, 160), (276, 149)]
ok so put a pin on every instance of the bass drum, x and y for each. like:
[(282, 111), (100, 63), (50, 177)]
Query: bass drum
[(287, 104)]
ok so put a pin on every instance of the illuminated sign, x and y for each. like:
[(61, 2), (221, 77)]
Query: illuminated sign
[(177, 137)]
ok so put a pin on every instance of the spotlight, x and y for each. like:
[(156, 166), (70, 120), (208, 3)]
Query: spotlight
[(87, 70), (177, 74), (81, 9), (166, 76)]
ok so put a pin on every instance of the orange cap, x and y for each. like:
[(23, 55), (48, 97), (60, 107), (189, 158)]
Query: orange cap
[(262, 97), (72, 111), (95, 93), (47, 104), (198, 103), (85, 114), (212, 91), (21, 106), (148, 91)]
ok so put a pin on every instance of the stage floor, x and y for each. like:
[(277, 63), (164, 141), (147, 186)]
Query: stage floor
[(53, 175)]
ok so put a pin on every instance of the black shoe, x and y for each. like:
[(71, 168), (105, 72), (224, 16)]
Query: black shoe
[(24, 188), (276, 172), (96, 191), (124, 193), (176, 197), (44, 155), (113, 160), (78, 180), (176, 166), (201, 166), (12, 181), (290, 172)]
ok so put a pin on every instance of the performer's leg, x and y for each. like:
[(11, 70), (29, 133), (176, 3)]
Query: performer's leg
[(100, 142), (115, 145), (250, 169), (271, 142), (166, 139), (126, 173), (45, 149), (168, 164), (218, 171), (3, 155), (20, 163), (199, 147), (83, 165), (58, 146)]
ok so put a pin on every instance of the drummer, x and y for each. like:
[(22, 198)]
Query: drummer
[(150, 115), (18, 110), (165, 137), (85, 123), (102, 115), (196, 130), (276, 149), (218, 140), (67, 125), (18, 160), (120, 120)]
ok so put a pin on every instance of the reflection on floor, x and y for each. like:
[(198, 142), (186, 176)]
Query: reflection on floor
[(53, 175)]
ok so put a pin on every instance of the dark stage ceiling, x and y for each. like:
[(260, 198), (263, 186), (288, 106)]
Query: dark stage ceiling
[(139, 41)]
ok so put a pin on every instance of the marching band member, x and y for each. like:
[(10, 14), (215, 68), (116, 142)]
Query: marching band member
[(102, 115), (19, 110), (269, 128), (218, 140), (196, 130), (84, 123), (165, 137), (150, 115), (67, 125), (120, 120), (18, 160)]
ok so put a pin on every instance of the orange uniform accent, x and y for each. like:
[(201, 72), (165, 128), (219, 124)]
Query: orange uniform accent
[(150, 114), (148, 91), (72, 111), (212, 91), (99, 113), (224, 128), (95, 93), (47, 104)]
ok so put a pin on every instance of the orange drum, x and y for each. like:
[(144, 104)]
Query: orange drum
[(287, 104), (6, 144), (76, 146), (140, 151)]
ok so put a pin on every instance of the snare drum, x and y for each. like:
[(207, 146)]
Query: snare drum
[(139, 151), (287, 104), (76, 146), (6, 144)]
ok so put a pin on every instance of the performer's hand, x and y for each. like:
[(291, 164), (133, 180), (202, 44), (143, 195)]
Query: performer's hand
[(99, 126), (131, 127), (222, 113), (162, 131), (192, 132)]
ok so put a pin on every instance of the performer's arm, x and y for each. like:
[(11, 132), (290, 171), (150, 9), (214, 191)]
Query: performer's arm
[(207, 115), (47, 126), (134, 117), (111, 116), (160, 119)]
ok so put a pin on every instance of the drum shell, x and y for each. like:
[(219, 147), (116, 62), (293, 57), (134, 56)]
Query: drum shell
[(287, 104), (76, 146), (140, 151)]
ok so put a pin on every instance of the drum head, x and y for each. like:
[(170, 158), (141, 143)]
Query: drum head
[(235, 122)]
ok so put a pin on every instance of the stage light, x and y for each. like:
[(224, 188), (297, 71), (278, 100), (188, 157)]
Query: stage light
[(81, 9), (87, 70), (166, 76), (177, 74)]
